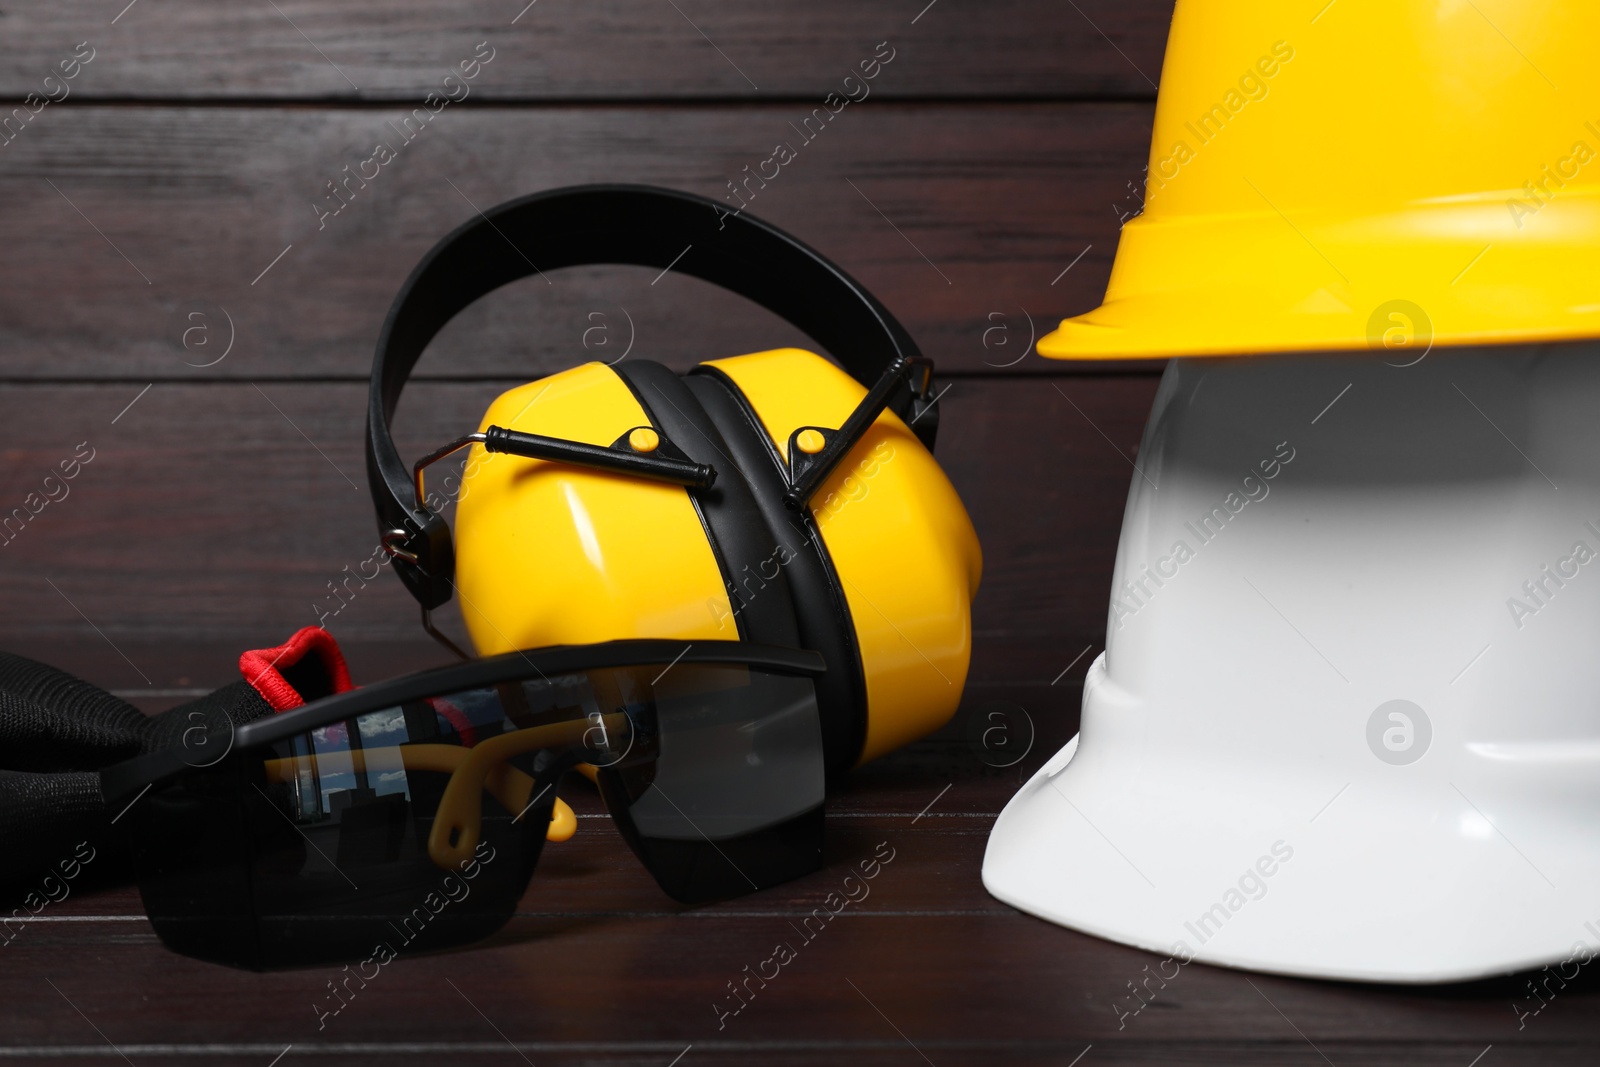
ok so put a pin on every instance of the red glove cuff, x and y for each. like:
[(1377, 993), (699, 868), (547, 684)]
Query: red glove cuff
[(264, 668)]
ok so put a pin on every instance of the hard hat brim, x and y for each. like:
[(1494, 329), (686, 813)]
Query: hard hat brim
[(1376, 890), (1448, 272)]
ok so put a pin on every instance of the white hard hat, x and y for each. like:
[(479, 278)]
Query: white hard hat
[(1347, 723)]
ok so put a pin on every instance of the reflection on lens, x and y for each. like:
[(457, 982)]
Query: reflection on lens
[(317, 848), (417, 826)]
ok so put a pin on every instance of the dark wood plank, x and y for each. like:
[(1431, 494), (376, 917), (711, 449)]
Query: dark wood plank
[(1001, 141), (575, 978), (963, 218), (599, 967), (564, 49), (218, 513)]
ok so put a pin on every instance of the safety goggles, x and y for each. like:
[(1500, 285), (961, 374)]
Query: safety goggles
[(409, 815)]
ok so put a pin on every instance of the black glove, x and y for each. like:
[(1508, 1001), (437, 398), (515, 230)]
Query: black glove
[(57, 732)]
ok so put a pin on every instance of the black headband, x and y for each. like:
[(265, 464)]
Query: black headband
[(588, 224)]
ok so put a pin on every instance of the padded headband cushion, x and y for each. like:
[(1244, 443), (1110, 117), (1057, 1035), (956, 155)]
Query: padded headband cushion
[(780, 582), (739, 537), (820, 609), (621, 224)]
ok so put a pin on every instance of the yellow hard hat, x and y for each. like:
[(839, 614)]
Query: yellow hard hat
[(1339, 175), (771, 497)]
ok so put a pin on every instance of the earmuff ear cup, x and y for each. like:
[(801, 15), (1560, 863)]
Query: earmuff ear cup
[(551, 554), (877, 575), (800, 559), (554, 554)]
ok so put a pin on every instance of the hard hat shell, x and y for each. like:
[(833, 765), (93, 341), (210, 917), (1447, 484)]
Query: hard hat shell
[(1324, 174), (548, 553), (1347, 721)]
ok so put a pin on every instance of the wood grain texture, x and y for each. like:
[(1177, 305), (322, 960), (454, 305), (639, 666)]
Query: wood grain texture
[(598, 49), (600, 968), (185, 173), (222, 511), (962, 218)]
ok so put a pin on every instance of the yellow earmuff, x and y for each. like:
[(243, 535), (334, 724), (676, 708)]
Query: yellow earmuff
[(551, 553), (775, 497)]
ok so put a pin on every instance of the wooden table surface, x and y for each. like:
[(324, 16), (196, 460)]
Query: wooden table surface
[(978, 190)]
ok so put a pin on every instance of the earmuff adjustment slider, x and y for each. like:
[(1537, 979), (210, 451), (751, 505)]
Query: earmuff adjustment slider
[(810, 467), (663, 463), (616, 459)]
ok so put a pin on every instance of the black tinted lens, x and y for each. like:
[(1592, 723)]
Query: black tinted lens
[(417, 827), (317, 848), (721, 791)]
